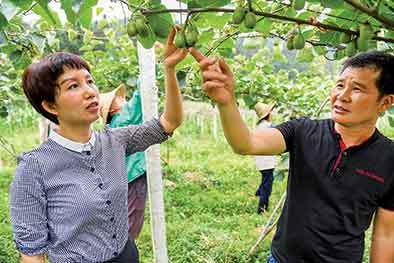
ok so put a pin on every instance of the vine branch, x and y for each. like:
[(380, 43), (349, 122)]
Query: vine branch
[(270, 15), (373, 12)]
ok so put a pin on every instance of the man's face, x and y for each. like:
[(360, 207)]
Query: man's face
[(355, 98)]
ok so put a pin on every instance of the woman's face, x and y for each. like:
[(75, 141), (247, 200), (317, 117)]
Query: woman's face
[(77, 98)]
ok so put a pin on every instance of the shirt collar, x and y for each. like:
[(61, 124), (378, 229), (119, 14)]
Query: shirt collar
[(71, 145)]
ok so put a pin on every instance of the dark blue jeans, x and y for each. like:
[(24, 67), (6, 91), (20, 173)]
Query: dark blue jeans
[(271, 259), (264, 190)]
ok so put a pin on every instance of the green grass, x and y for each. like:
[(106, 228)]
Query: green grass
[(209, 200)]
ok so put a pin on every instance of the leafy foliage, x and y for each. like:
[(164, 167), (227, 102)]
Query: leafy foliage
[(330, 29)]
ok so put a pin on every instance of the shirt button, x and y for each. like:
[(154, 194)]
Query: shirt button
[(92, 169), (100, 185), (115, 254), (337, 170), (114, 236), (88, 153), (108, 202), (344, 153), (112, 219)]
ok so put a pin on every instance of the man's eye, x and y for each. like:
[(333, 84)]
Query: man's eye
[(90, 81)]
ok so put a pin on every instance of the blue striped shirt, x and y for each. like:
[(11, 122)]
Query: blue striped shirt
[(72, 205)]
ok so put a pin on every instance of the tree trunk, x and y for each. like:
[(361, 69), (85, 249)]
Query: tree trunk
[(149, 95)]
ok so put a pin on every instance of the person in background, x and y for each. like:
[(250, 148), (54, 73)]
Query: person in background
[(117, 112), (264, 163)]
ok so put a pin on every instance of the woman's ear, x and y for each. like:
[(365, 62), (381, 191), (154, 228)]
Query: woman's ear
[(49, 107)]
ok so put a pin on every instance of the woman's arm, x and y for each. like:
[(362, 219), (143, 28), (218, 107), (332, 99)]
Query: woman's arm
[(173, 110), (32, 259)]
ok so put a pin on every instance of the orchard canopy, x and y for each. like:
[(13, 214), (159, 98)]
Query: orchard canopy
[(276, 48)]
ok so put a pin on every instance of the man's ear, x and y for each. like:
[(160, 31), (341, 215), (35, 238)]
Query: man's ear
[(387, 102), (49, 107)]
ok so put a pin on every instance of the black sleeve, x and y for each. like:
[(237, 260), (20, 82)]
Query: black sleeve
[(387, 201), (289, 131)]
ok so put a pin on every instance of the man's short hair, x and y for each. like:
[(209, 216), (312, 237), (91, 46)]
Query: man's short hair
[(379, 61), (39, 80)]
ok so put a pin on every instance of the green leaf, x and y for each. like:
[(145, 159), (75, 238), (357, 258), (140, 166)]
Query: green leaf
[(161, 23), (85, 12), (24, 4), (305, 55), (3, 38), (39, 41), (3, 21), (206, 3), (8, 9), (99, 10), (149, 41), (332, 3), (43, 10), (67, 6), (263, 26), (20, 59)]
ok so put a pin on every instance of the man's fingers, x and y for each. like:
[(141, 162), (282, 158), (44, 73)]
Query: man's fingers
[(197, 54), (209, 86), (225, 68), (213, 75), (206, 63)]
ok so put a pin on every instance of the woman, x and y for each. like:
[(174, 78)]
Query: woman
[(68, 199)]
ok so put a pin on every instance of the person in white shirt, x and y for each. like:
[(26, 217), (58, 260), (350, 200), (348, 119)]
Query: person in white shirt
[(264, 163)]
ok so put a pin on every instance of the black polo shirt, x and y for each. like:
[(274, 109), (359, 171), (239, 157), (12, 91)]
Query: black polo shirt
[(332, 193)]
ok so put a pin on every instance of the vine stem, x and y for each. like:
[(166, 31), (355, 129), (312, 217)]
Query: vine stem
[(299, 21)]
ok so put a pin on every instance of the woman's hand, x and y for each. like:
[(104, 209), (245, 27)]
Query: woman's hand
[(172, 54)]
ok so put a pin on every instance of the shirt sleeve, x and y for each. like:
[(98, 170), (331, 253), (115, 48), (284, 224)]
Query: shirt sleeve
[(289, 131), (387, 201), (28, 207), (137, 138)]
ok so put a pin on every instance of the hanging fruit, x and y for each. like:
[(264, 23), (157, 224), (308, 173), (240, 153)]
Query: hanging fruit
[(142, 26), (250, 20), (299, 41), (290, 43), (345, 38), (351, 49), (191, 35), (179, 40), (131, 29), (239, 15), (298, 4)]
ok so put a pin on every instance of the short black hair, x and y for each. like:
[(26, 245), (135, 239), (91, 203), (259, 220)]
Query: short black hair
[(39, 79), (380, 61)]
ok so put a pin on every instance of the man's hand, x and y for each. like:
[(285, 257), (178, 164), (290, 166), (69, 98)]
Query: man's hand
[(218, 79), (172, 54)]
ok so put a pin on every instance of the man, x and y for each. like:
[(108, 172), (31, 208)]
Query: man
[(341, 169)]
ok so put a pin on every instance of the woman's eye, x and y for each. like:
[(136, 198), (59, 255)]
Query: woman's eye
[(90, 81), (73, 86)]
